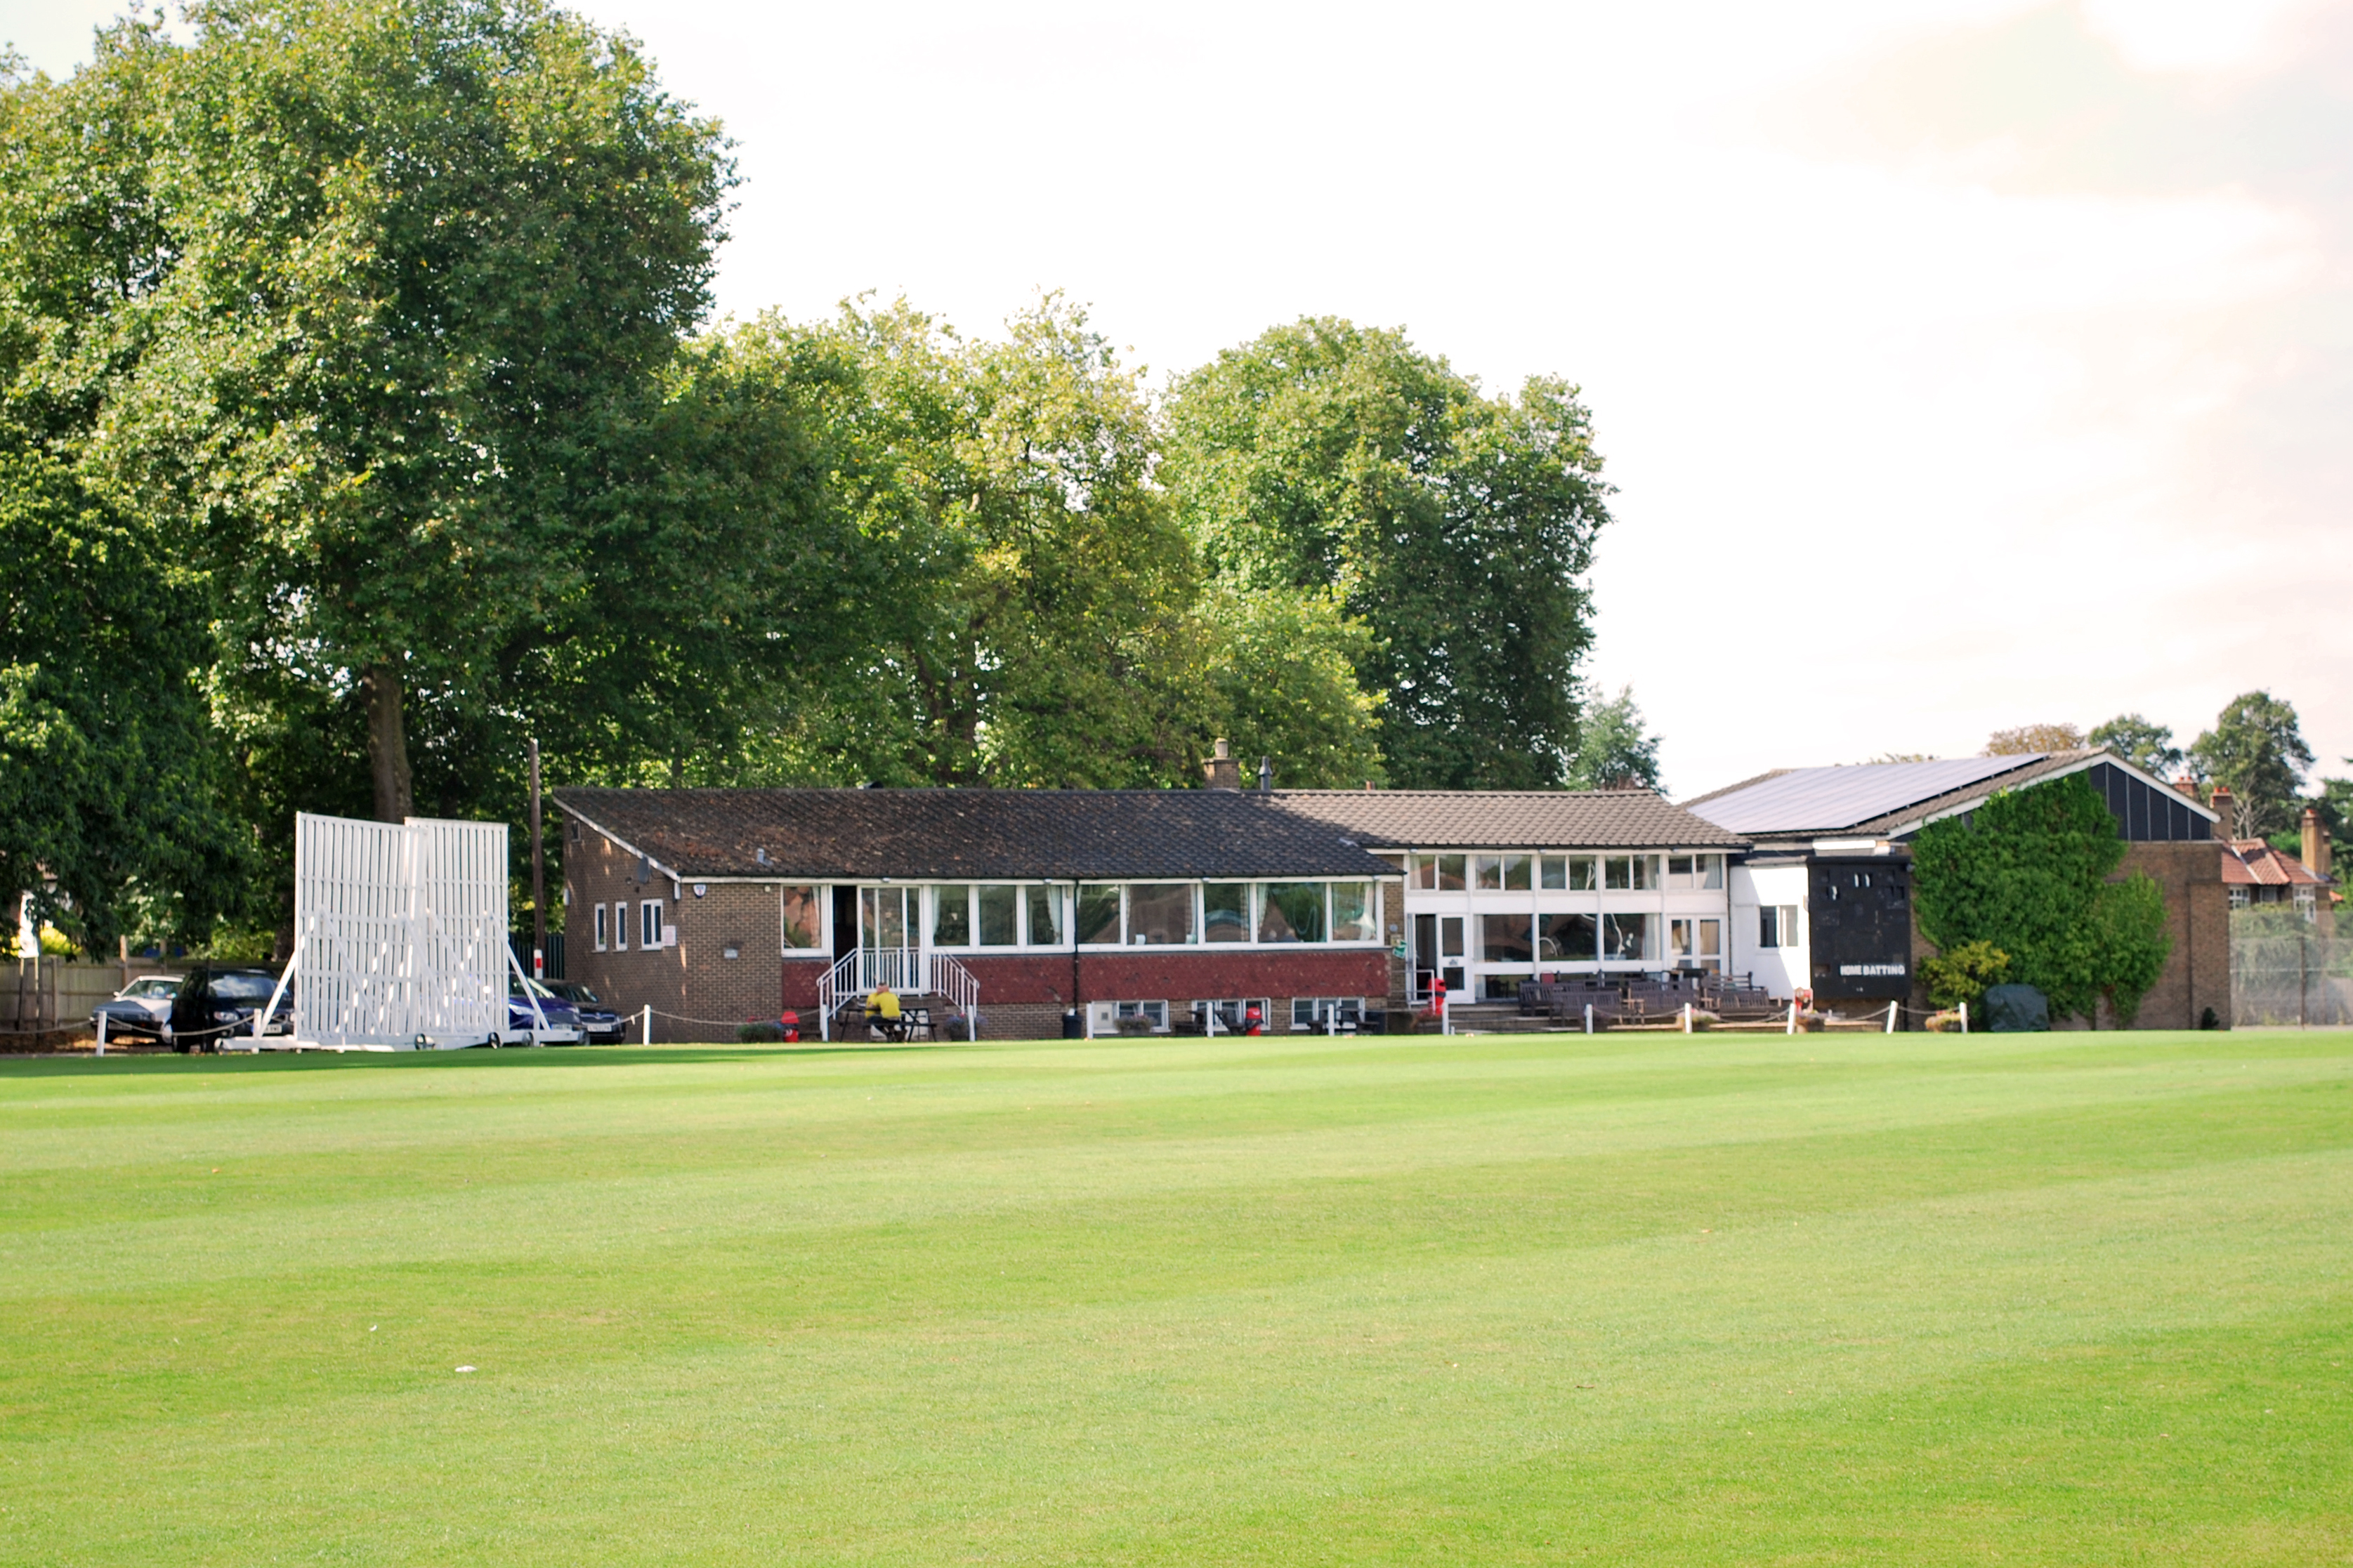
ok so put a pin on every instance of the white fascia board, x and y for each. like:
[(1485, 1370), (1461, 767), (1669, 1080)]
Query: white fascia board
[(612, 837), (2094, 761), (1853, 847)]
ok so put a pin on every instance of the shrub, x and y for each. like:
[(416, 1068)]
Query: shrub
[(1959, 977), (761, 1033)]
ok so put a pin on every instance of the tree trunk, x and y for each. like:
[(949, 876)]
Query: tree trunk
[(388, 744)]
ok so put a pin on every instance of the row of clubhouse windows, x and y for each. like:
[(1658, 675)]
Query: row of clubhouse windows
[(1659, 941), (1115, 914), (1522, 871)]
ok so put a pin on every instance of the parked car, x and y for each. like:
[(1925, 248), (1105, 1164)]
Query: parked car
[(561, 1026), (218, 1001), (598, 1021), (140, 1009)]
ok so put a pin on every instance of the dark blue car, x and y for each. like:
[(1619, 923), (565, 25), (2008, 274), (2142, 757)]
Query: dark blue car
[(555, 1022), (215, 1003)]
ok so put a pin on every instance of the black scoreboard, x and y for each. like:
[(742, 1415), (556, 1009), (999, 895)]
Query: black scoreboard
[(1860, 920)]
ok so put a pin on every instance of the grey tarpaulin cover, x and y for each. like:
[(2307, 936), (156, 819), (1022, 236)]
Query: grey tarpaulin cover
[(2015, 1010)]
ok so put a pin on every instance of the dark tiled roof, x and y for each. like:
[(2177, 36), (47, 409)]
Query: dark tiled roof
[(960, 834), (1507, 819)]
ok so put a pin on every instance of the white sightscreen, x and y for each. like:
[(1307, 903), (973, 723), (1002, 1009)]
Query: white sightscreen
[(402, 930)]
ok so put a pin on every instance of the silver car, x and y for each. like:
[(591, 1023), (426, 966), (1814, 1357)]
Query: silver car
[(142, 1008)]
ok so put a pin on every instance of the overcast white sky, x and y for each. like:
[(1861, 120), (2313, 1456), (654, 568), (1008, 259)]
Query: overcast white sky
[(1960, 363)]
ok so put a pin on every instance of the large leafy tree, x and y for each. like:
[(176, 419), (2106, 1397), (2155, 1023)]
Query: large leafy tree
[(1614, 750), (2257, 748), (1458, 527), (2145, 744), (1037, 617), (407, 274), (111, 811), (2028, 873)]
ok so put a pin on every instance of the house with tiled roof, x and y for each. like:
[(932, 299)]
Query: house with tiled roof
[(2257, 873)]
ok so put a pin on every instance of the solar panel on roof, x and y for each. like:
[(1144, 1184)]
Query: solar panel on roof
[(1819, 799)]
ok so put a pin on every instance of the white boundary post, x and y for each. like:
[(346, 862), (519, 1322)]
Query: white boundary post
[(648, 1037), (1891, 1017), (1793, 1017), (538, 1014), (1686, 1018), (1964, 1017), (102, 1032), (1588, 1017), (261, 1019)]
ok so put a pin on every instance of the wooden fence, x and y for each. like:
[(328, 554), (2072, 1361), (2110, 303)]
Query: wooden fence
[(54, 998)]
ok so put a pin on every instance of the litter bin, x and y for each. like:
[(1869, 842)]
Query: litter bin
[(1072, 1029)]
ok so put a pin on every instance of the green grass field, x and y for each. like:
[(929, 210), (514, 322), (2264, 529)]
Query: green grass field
[(2070, 1299)]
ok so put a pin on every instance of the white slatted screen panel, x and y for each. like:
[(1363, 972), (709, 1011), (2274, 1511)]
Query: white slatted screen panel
[(403, 929)]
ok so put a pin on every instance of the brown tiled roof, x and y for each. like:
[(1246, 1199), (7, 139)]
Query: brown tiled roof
[(959, 834), (1507, 819), (2253, 863)]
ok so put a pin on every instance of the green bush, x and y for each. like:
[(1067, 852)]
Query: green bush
[(760, 1033), (1959, 977)]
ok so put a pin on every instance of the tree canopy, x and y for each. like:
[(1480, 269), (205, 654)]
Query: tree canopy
[(1323, 456), (1613, 750), (2147, 746), (2257, 748), (2032, 738)]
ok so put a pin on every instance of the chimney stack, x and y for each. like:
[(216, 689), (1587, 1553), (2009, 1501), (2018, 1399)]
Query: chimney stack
[(2315, 844), (2227, 809), (1222, 770)]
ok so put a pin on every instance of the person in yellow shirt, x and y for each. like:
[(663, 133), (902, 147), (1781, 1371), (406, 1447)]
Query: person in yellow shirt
[(882, 1010)]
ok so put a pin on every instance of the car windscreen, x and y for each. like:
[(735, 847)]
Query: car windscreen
[(576, 991), (242, 987), (153, 985)]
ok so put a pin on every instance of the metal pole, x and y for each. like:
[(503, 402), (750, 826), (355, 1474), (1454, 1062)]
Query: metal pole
[(538, 877)]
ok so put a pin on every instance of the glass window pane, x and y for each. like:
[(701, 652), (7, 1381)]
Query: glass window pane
[(1225, 911), (1293, 911), (998, 906), (1646, 871), (1449, 937), (1516, 873), (1679, 866), (1159, 913), (1504, 939), (1768, 926), (1099, 912), (1553, 872), (1353, 912), (801, 917), (1045, 917), (1628, 938), (1450, 873), (1711, 939), (1425, 871), (1618, 871), (952, 915), (1584, 874), (1566, 938), (1711, 870), (1487, 870)]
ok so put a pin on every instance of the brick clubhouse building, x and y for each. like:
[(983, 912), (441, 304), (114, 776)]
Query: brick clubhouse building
[(1166, 907)]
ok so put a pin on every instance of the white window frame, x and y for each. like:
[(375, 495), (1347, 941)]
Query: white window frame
[(601, 928), (1316, 1007), (621, 926), (650, 919)]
